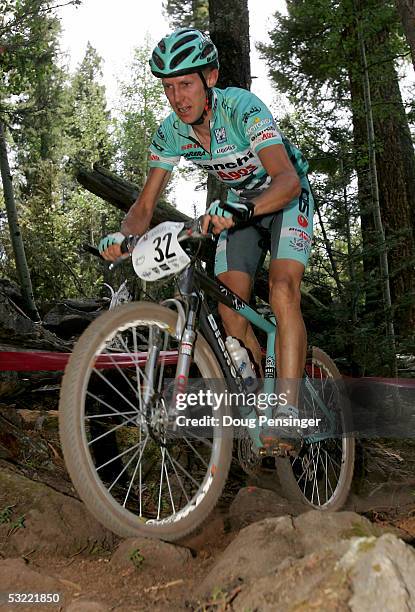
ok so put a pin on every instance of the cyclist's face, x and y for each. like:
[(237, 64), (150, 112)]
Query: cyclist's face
[(186, 95)]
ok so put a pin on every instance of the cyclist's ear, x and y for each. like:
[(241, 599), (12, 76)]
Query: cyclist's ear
[(211, 75)]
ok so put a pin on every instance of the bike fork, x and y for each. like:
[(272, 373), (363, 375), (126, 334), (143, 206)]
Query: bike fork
[(186, 346)]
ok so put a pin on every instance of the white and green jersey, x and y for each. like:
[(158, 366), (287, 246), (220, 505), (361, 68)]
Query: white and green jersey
[(241, 126)]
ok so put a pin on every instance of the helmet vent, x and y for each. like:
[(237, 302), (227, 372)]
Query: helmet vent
[(162, 46), (183, 41), (158, 61), (180, 57), (207, 51)]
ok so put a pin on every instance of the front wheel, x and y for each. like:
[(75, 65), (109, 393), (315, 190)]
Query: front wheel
[(322, 472), (134, 476)]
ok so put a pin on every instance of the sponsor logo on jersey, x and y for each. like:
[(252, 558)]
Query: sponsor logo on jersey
[(266, 136), (193, 154), (220, 135), (300, 241), (226, 106), (257, 124), (253, 111), (303, 202), (154, 157), (191, 145), (268, 130), (160, 134), (232, 170), (157, 146), (302, 221), (226, 149)]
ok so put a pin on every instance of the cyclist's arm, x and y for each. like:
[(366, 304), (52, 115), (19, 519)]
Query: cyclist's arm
[(285, 184), (139, 216)]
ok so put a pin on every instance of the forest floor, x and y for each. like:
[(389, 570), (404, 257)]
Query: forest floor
[(86, 574)]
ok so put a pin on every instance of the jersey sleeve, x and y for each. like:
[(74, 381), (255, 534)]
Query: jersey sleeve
[(258, 124), (163, 149)]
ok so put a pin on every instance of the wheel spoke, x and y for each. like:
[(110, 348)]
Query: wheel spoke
[(161, 481), (196, 453), (104, 403), (106, 433), (122, 396), (109, 414), (179, 465), (126, 466), (177, 476), (127, 450)]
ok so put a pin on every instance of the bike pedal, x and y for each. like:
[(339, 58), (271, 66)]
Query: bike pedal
[(277, 448)]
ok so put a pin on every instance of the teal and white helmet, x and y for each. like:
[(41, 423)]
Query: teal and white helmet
[(185, 51)]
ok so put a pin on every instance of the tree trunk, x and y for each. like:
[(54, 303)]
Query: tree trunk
[(15, 233), (406, 10), (396, 177), (229, 30), (383, 255), (395, 174)]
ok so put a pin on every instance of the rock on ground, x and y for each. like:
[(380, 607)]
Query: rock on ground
[(48, 521), (253, 504), (149, 553), (318, 560)]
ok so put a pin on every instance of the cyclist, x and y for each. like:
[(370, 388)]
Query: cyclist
[(232, 134)]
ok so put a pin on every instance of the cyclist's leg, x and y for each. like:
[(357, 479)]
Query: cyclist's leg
[(237, 256), (291, 236), (285, 277)]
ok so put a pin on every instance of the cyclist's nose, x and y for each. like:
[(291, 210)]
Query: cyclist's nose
[(177, 97)]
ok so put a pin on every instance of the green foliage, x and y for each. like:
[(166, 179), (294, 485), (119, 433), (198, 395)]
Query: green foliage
[(142, 104), (136, 558), (185, 13), (314, 58), (6, 515), (55, 117), (87, 119)]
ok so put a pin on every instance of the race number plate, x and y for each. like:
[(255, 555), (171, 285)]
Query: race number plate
[(158, 253)]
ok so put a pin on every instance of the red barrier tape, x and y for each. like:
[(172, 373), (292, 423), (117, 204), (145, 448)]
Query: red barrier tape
[(36, 361)]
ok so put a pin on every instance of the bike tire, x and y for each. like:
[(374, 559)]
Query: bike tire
[(291, 470), (76, 449)]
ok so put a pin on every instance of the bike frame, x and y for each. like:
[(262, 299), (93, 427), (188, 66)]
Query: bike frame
[(194, 286)]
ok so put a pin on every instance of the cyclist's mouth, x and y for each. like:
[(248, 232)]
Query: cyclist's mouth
[(184, 111)]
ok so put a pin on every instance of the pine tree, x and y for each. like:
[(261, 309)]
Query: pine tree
[(143, 105), (314, 56), (185, 13)]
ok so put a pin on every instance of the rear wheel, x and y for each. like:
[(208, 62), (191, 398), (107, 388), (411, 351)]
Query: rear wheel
[(322, 472), (133, 472)]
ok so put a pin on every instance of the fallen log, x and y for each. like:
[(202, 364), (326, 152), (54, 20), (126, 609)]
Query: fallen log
[(122, 193)]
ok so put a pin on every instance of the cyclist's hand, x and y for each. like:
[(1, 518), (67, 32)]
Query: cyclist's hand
[(219, 218), (110, 247), (223, 216)]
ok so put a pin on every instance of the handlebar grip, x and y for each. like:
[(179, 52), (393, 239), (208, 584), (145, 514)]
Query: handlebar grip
[(89, 248)]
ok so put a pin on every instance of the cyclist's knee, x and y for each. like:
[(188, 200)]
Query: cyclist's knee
[(284, 292)]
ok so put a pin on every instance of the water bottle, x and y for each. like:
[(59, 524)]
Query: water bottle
[(241, 361)]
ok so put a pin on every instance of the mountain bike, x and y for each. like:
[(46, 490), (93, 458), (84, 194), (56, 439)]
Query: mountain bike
[(137, 471)]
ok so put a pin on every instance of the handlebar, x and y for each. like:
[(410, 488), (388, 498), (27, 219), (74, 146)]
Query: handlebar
[(192, 231)]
